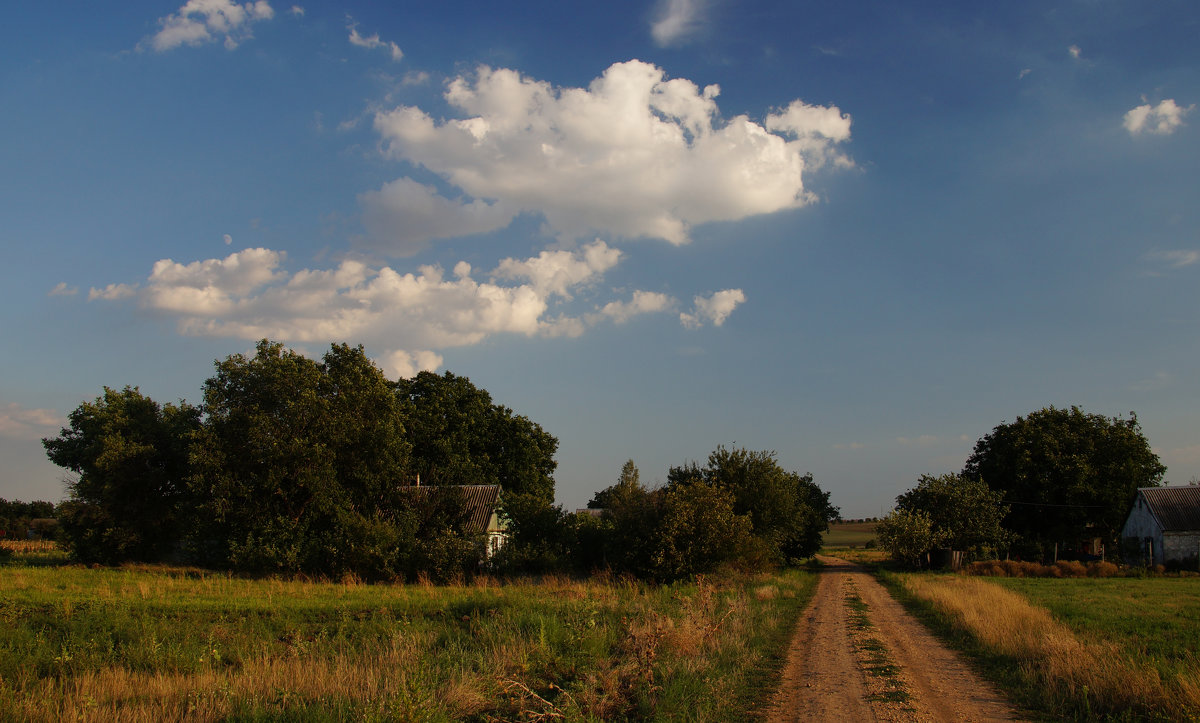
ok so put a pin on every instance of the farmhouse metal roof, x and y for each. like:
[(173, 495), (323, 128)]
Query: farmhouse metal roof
[(480, 502), (1177, 508)]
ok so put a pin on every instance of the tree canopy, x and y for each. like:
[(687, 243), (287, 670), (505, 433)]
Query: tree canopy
[(1066, 474), (297, 465), (130, 455)]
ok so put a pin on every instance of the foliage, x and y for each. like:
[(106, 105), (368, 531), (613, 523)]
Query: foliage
[(626, 532), (698, 531), (788, 512), (963, 512), (18, 518), (742, 509), (131, 457), (460, 437), (296, 466), (908, 535), (1067, 474)]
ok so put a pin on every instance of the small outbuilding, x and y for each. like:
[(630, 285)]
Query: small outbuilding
[(1164, 526), (481, 503)]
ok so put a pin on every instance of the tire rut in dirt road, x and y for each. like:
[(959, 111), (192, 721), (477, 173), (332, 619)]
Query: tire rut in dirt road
[(859, 656)]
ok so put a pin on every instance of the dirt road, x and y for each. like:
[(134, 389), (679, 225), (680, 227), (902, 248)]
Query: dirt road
[(859, 656)]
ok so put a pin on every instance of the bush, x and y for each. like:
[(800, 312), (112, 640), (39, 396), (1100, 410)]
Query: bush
[(1062, 568), (1103, 568)]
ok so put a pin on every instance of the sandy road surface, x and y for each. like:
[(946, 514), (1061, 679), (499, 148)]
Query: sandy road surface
[(859, 656)]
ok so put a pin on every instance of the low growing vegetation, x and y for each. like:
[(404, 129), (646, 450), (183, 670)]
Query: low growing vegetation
[(1086, 649), (155, 643)]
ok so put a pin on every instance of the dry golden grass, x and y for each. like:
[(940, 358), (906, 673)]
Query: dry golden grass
[(1052, 657), (553, 649), (25, 547)]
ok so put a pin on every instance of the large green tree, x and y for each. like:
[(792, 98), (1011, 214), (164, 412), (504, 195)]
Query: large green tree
[(1066, 474), (297, 464), (788, 511), (130, 455), (460, 437)]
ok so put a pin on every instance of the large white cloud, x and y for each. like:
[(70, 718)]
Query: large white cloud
[(409, 316), (200, 22), (1162, 119), (633, 155)]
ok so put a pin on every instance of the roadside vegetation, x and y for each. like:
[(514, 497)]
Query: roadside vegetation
[(1079, 648), (165, 643)]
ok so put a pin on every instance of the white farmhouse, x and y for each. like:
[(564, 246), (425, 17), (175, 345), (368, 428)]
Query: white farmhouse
[(1164, 525)]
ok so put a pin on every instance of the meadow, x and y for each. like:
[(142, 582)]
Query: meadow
[(1080, 648), (849, 534), (142, 643)]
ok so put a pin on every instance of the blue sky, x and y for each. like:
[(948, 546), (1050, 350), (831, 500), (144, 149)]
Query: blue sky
[(859, 234)]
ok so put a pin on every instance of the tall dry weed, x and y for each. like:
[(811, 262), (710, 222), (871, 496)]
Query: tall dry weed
[(1071, 671)]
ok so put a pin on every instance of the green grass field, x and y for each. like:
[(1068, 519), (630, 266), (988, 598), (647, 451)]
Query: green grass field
[(146, 643), (1154, 620), (1118, 648), (850, 534)]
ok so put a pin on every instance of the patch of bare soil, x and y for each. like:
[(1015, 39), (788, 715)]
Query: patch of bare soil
[(859, 656)]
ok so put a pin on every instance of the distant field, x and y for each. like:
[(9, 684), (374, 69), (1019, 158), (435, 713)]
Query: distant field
[(850, 534)]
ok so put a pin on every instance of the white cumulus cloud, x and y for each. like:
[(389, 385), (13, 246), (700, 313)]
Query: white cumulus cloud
[(1162, 119), (642, 302), (62, 289), (634, 154), (200, 22), (405, 365), (677, 20), (556, 272), (408, 316), (714, 309)]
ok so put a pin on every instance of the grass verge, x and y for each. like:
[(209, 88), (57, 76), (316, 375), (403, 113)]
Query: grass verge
[(1044, 663), (151, 643)]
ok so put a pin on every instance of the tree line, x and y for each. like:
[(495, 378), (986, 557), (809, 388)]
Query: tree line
[(295, 465), (1043, 483), (22, 520)]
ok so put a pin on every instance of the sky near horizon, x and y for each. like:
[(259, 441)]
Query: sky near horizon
[(858, 234)]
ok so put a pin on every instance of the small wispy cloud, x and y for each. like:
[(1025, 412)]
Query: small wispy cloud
[(922, 441), (20, 423), (1162, 119), (372, 42), (1075, 52), (677, 21), (62, 289), (1176, 258), (297, 11), (112, 292), (1160, 380), (1024, 72)]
